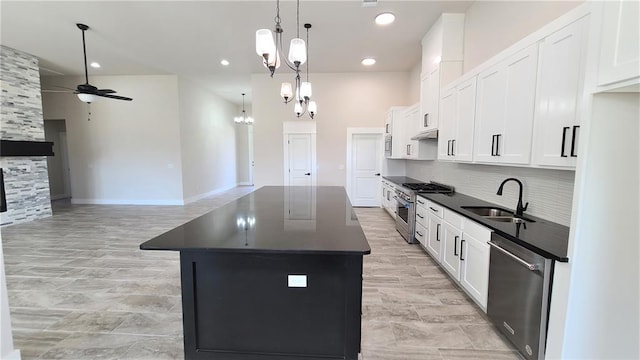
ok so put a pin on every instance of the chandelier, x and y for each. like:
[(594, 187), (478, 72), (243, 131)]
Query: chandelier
[(269, 50), (243, 119)]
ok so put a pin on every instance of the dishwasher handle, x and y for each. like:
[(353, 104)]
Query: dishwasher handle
[(532, 267)]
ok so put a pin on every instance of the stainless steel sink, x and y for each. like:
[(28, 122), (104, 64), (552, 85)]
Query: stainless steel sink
[(512, 219), (496, 214), (488, 211)]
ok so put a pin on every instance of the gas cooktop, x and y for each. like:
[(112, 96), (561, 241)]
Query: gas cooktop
[(431, 187)]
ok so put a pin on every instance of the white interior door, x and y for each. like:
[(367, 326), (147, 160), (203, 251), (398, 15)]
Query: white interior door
[(300, 159), (366, 155)]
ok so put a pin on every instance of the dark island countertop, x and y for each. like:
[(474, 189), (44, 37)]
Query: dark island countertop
[(542, 236), (399, 180), (278, 219)]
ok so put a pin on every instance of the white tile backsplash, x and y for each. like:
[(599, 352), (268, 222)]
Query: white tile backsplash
[(549, 192)]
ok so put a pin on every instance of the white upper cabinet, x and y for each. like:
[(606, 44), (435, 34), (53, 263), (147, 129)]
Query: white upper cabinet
[(457, 113), (395, 124), (619, 43), (442, 55), (448, 124), (416, 149), (560, 84), (505, 107), (429, 105)]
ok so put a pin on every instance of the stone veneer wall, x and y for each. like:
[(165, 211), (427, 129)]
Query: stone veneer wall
[(25, 178)]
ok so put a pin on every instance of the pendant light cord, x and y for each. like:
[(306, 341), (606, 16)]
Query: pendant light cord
[(298, 18), (307, 50)]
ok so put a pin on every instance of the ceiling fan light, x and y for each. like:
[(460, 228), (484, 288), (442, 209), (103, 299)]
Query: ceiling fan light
[(88, 98), (297, 51), (264, 42), (305, 90)]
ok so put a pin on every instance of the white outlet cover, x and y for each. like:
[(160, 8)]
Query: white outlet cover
[(298, 281)]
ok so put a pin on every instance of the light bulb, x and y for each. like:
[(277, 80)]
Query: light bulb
[(305, 90), (297, 108), (286, 91), (312, 108), (264, 42), (297, 52)]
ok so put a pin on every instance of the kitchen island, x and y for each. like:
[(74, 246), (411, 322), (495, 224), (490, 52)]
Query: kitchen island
[(276, 274)]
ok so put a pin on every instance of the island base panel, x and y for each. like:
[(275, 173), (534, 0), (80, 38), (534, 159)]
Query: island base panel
[(242, 306)]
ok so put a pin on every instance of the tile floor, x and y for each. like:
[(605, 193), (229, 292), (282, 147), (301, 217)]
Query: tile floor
[(79, 288)]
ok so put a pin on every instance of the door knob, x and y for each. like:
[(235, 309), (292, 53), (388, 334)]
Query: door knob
[(377, 174), (308, 174)]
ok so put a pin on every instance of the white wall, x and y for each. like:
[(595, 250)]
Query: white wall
[(492, 26), (602, 303), (208, 141), (344, 100), (129, 152)]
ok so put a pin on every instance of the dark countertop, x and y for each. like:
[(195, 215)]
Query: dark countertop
[(399, 180), (278, 219), (543, 237)]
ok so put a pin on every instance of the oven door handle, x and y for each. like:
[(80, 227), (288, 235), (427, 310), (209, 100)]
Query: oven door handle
[(532, 267), (402, 201)]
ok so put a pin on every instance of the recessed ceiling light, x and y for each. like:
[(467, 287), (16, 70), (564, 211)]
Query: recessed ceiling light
[(368, 61), (95, 65), (224, 62), (385, 18)]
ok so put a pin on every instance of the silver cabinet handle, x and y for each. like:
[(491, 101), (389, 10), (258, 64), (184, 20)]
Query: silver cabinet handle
[(531, 267), (418, 232), (432, 209), (420, 202), (420, 216)]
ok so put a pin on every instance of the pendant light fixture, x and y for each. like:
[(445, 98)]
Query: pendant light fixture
[(269, 50), (243, 119)]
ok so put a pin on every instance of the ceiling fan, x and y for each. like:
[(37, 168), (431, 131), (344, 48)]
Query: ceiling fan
[(87, 92)]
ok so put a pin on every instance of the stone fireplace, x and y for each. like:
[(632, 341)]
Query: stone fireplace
[(26, 184)]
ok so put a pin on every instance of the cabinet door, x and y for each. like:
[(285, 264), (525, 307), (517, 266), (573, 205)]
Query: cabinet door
[(451, 237), (398, 133), (448, 124), (474, 272), (560, 81), (429, 100), (619, 46), (466, 112), (434, 240), (515, 139), (491, 98)]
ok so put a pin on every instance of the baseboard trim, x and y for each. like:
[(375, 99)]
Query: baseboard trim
[(60, 197), (207, 194), (245, 183), (125, 202)]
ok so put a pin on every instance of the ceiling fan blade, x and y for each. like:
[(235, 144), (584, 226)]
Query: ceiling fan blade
[(106, 91), (114, 97), (57, 91)]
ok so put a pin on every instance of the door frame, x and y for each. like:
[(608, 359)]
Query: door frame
[(299, 128), (361, 131)]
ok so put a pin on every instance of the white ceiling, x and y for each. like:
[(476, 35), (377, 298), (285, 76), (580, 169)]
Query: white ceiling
[(189, 38)]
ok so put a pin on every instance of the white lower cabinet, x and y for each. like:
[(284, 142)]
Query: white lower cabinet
[(459, 245), (474, 261), (388, 202)]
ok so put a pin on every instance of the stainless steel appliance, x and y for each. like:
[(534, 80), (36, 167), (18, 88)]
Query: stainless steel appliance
[(405, 205), (519, 295), (388, 145)]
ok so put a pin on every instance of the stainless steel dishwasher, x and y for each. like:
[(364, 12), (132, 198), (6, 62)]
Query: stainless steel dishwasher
[(519, 294)]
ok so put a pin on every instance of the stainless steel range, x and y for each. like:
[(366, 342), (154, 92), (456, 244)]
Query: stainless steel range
[(405, 205)]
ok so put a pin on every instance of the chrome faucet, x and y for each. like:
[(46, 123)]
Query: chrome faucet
[(519, 209)]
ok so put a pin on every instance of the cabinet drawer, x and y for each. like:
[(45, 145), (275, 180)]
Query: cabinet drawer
[(421, 234), (435, 209), (421, 215), (476, 230), (453, 218)]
